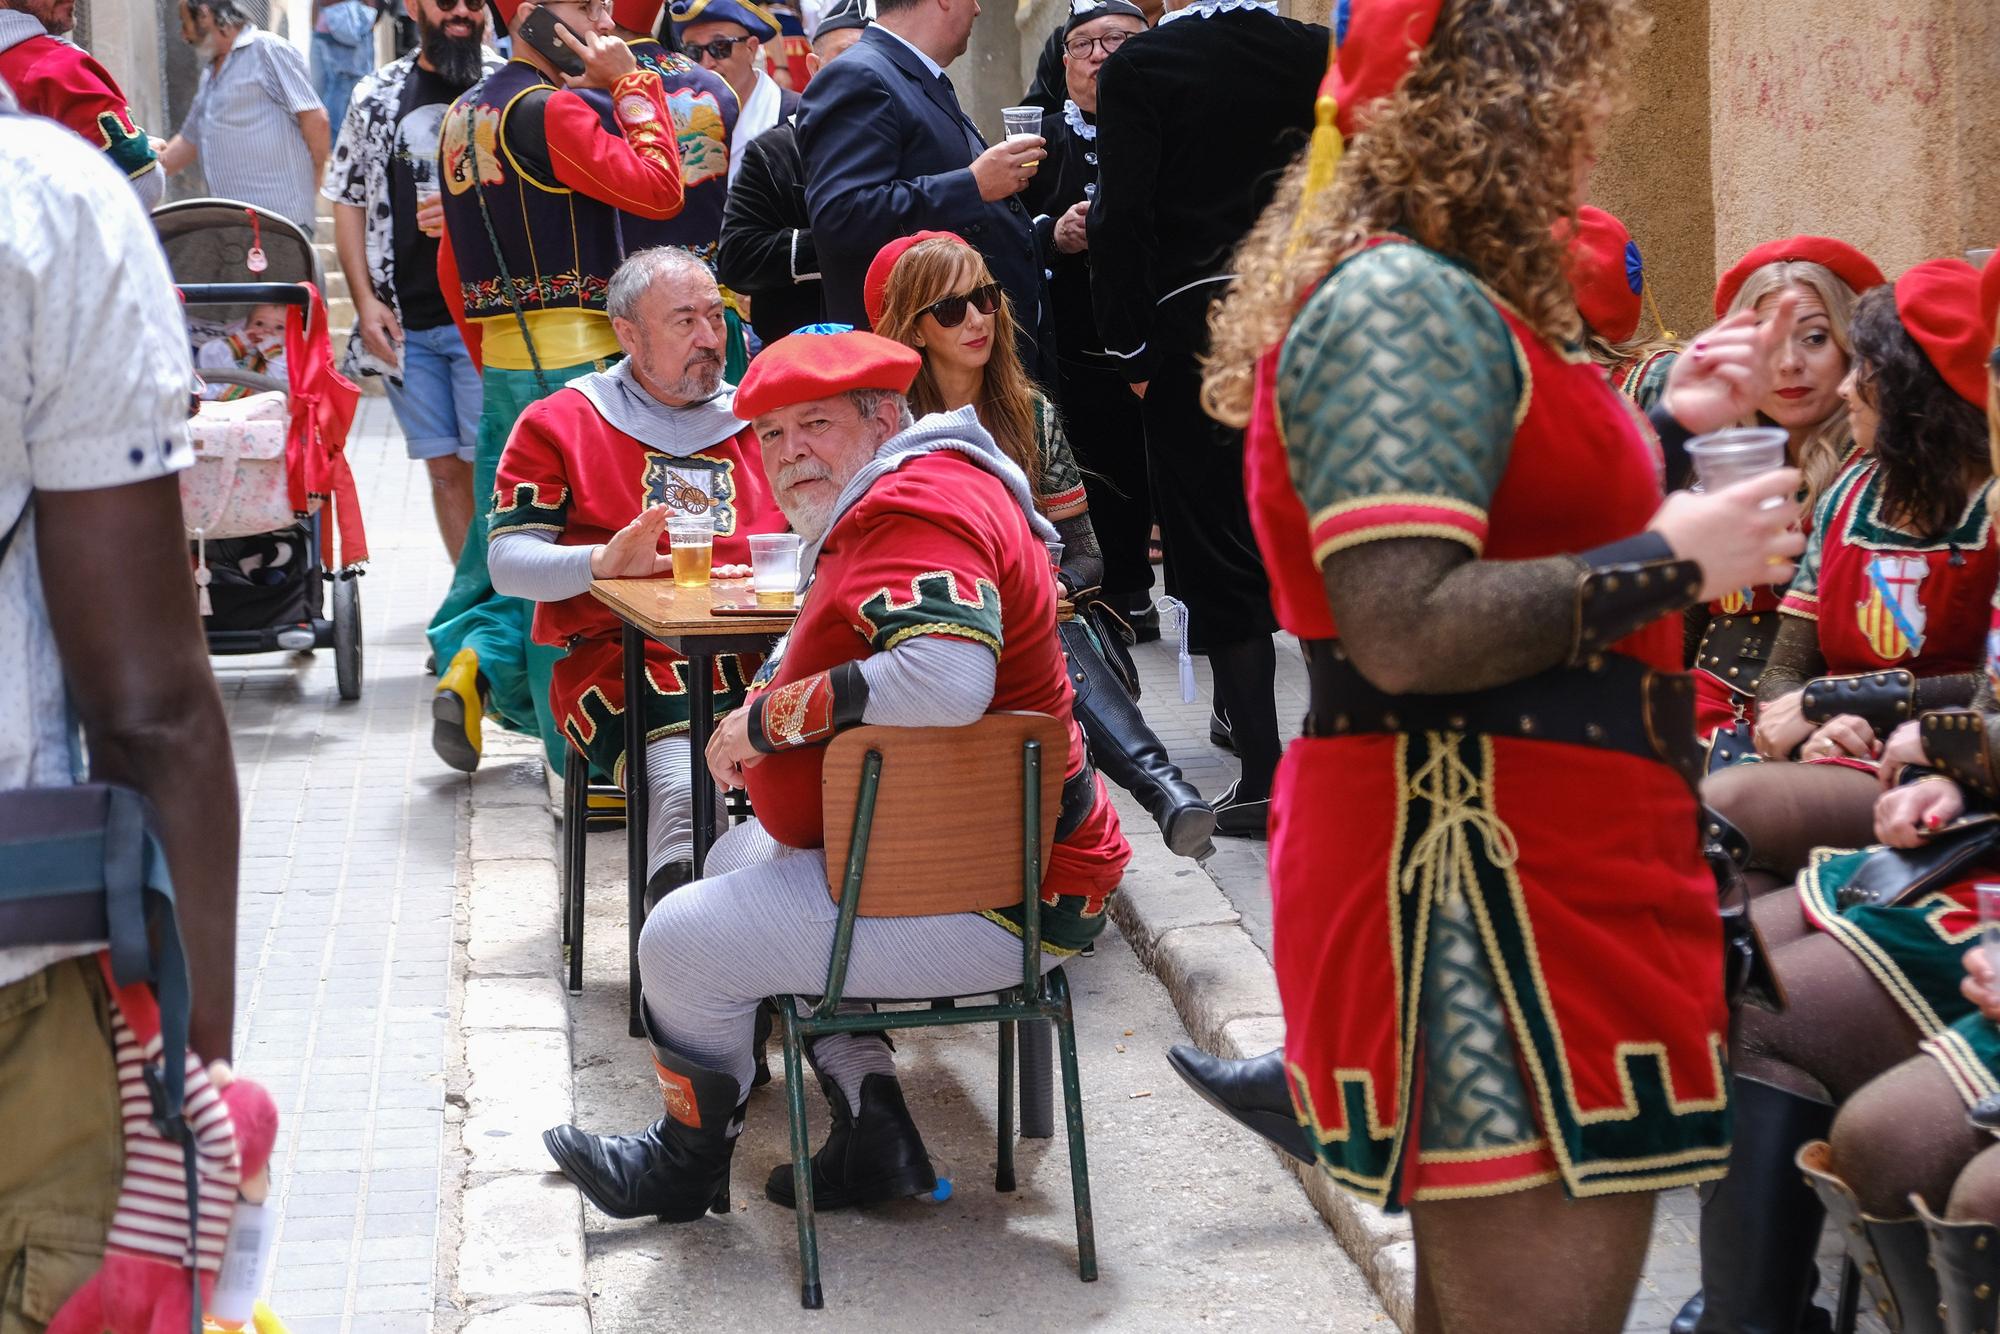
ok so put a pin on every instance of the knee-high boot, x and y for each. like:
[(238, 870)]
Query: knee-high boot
[(1129, 753), (678, 1167), (1760, 1225), (1966, 1257), (1893, 1254)]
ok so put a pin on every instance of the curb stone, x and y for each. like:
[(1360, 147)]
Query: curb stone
[(1183, 927), (520, 1262)]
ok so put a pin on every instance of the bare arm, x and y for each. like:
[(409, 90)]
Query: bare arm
[(151, 715), (319, 140), (176, 155)]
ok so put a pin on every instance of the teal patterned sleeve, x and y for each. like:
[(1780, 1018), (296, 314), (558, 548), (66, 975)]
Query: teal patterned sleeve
[(1400, 388)]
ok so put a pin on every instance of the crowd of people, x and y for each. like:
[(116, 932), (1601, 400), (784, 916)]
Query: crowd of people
[(1633, 835)]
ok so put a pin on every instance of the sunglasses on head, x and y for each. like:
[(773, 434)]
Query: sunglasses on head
[(718, 49), (950, 311)]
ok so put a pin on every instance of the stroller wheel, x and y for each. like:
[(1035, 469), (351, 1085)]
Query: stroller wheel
[(347, 636)]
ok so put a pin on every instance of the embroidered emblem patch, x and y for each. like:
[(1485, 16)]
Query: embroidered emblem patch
[(694, 485), (635, 110), (1891, 617), (800, 713), (677, 1095)]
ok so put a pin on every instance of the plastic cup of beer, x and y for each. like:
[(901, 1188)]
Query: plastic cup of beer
[(774, 569), (1741, 452), (1989, 922), (692, 537), (1022, 122)]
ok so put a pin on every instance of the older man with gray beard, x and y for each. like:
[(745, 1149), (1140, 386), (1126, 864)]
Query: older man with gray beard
[(587, 482)]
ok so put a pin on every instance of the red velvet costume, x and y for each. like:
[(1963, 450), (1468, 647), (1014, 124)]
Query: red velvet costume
[(568, 471), (937, 547), (55, 79), (1595, 914)]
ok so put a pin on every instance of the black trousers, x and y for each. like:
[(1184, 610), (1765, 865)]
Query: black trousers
[(1212, 563), (1101, 416)]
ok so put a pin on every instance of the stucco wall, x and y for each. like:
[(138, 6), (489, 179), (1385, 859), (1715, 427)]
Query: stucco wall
[(1871, 120)]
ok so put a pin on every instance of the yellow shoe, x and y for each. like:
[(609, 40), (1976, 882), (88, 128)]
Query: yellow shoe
[(457, 709)]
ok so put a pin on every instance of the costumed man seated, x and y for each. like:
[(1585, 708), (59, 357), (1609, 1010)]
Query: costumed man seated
[(652, 437), (929, 602), (539, 169)]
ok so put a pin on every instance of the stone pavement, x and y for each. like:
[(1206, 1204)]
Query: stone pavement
[(1673, 1267), (352, 843)]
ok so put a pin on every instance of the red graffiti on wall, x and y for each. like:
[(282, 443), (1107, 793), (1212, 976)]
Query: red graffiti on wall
[(1806, 85)]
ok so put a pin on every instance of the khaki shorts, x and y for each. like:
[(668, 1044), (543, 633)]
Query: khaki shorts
[(59, 1121)]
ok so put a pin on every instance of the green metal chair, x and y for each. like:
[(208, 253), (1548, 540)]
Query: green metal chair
[(899, 852)]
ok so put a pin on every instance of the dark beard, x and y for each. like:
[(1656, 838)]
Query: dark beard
[(457, 60)]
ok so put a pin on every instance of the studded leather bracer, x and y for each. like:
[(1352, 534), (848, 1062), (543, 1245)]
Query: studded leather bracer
[(809, 711), (1959, 744), (1626, 586)]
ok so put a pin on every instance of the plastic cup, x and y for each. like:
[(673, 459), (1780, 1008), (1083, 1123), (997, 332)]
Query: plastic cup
[(692, 537), (1724, 457), (1989, 922), (1022, 122), (774, 568)]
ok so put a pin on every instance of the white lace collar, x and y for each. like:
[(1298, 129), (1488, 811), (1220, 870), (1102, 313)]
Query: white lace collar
[(1210, 8), (1078, 126)]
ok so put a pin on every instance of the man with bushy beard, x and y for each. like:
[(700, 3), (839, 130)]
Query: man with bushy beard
[(588, 480), (387, 218)]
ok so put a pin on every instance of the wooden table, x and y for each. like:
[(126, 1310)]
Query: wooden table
[(680, 618)]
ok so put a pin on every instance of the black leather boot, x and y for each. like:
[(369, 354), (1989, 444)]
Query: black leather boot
[(1760, 1225), (1253, 1093), (665, 881), (1128, 752), (678, 1167), (1237, 818), (1893, 1254), (872, 1158), (1966, 1257)]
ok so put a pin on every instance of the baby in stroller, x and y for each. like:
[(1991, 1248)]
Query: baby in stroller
[(254, 343)]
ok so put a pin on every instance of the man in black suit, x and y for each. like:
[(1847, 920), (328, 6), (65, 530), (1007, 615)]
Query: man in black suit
[(889, 151)]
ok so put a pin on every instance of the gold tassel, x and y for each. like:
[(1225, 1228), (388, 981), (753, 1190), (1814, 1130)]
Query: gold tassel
[(1654, 306), (1322, 161)]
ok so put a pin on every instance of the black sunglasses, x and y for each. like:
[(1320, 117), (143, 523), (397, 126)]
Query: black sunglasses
[(718, 49), (446, 6), (950, 311)]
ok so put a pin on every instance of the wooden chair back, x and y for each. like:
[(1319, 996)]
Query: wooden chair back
[(947, 834)]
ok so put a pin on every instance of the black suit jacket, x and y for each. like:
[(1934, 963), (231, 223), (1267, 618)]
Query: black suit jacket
[(767, 248), (888, 152)]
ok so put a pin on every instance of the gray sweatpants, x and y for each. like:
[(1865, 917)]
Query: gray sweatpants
[(761, 923)]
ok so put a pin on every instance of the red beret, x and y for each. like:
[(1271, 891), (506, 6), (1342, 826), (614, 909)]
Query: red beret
[(1938, 302), (1376, 42), (1989, 299), (1604, 269), (636, 15), (875, 286), (508, 8), (1848, 264), (802, 367)]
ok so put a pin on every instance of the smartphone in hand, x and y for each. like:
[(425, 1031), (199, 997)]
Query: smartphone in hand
[(538, 30)]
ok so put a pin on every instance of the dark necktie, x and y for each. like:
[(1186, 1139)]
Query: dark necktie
[(972, 134)]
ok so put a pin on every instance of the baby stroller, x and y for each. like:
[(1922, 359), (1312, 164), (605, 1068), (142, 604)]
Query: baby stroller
[(270, 451)]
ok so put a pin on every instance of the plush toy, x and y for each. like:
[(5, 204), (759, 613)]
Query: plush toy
[(146, 1283)]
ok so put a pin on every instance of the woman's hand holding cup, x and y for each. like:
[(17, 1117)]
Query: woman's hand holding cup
[(1740, 535)]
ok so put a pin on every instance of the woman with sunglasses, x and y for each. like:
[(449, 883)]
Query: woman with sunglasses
[(933, 292)]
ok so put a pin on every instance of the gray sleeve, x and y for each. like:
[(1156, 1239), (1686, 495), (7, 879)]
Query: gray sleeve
[(929, 681), (529, 564)]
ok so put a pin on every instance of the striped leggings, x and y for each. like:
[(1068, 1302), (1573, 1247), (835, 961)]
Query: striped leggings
[(761, 923)]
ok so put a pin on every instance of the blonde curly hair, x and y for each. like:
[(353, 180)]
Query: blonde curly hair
[(1474, 155)]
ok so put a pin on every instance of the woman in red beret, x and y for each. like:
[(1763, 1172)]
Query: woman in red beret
[(1495, 938), (934, 293), (1887, 620), (1609, 276), (1730, 639)]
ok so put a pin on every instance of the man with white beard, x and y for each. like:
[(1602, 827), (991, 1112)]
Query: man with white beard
[(929, 602), (653, 437)]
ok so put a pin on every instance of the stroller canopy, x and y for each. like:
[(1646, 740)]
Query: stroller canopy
[(209, 241)]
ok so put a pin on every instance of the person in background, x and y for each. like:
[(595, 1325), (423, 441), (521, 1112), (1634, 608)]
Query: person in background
[(388, 213), (933, 292), (343, 49), (256, 124), (1102, 419), (725, 36), (704, 108), (1160, 252), (786, 58), (767, 249), (889, 152), (537, 178), (1609, 277), (102, 633), (52, 76), (1051, 86)]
